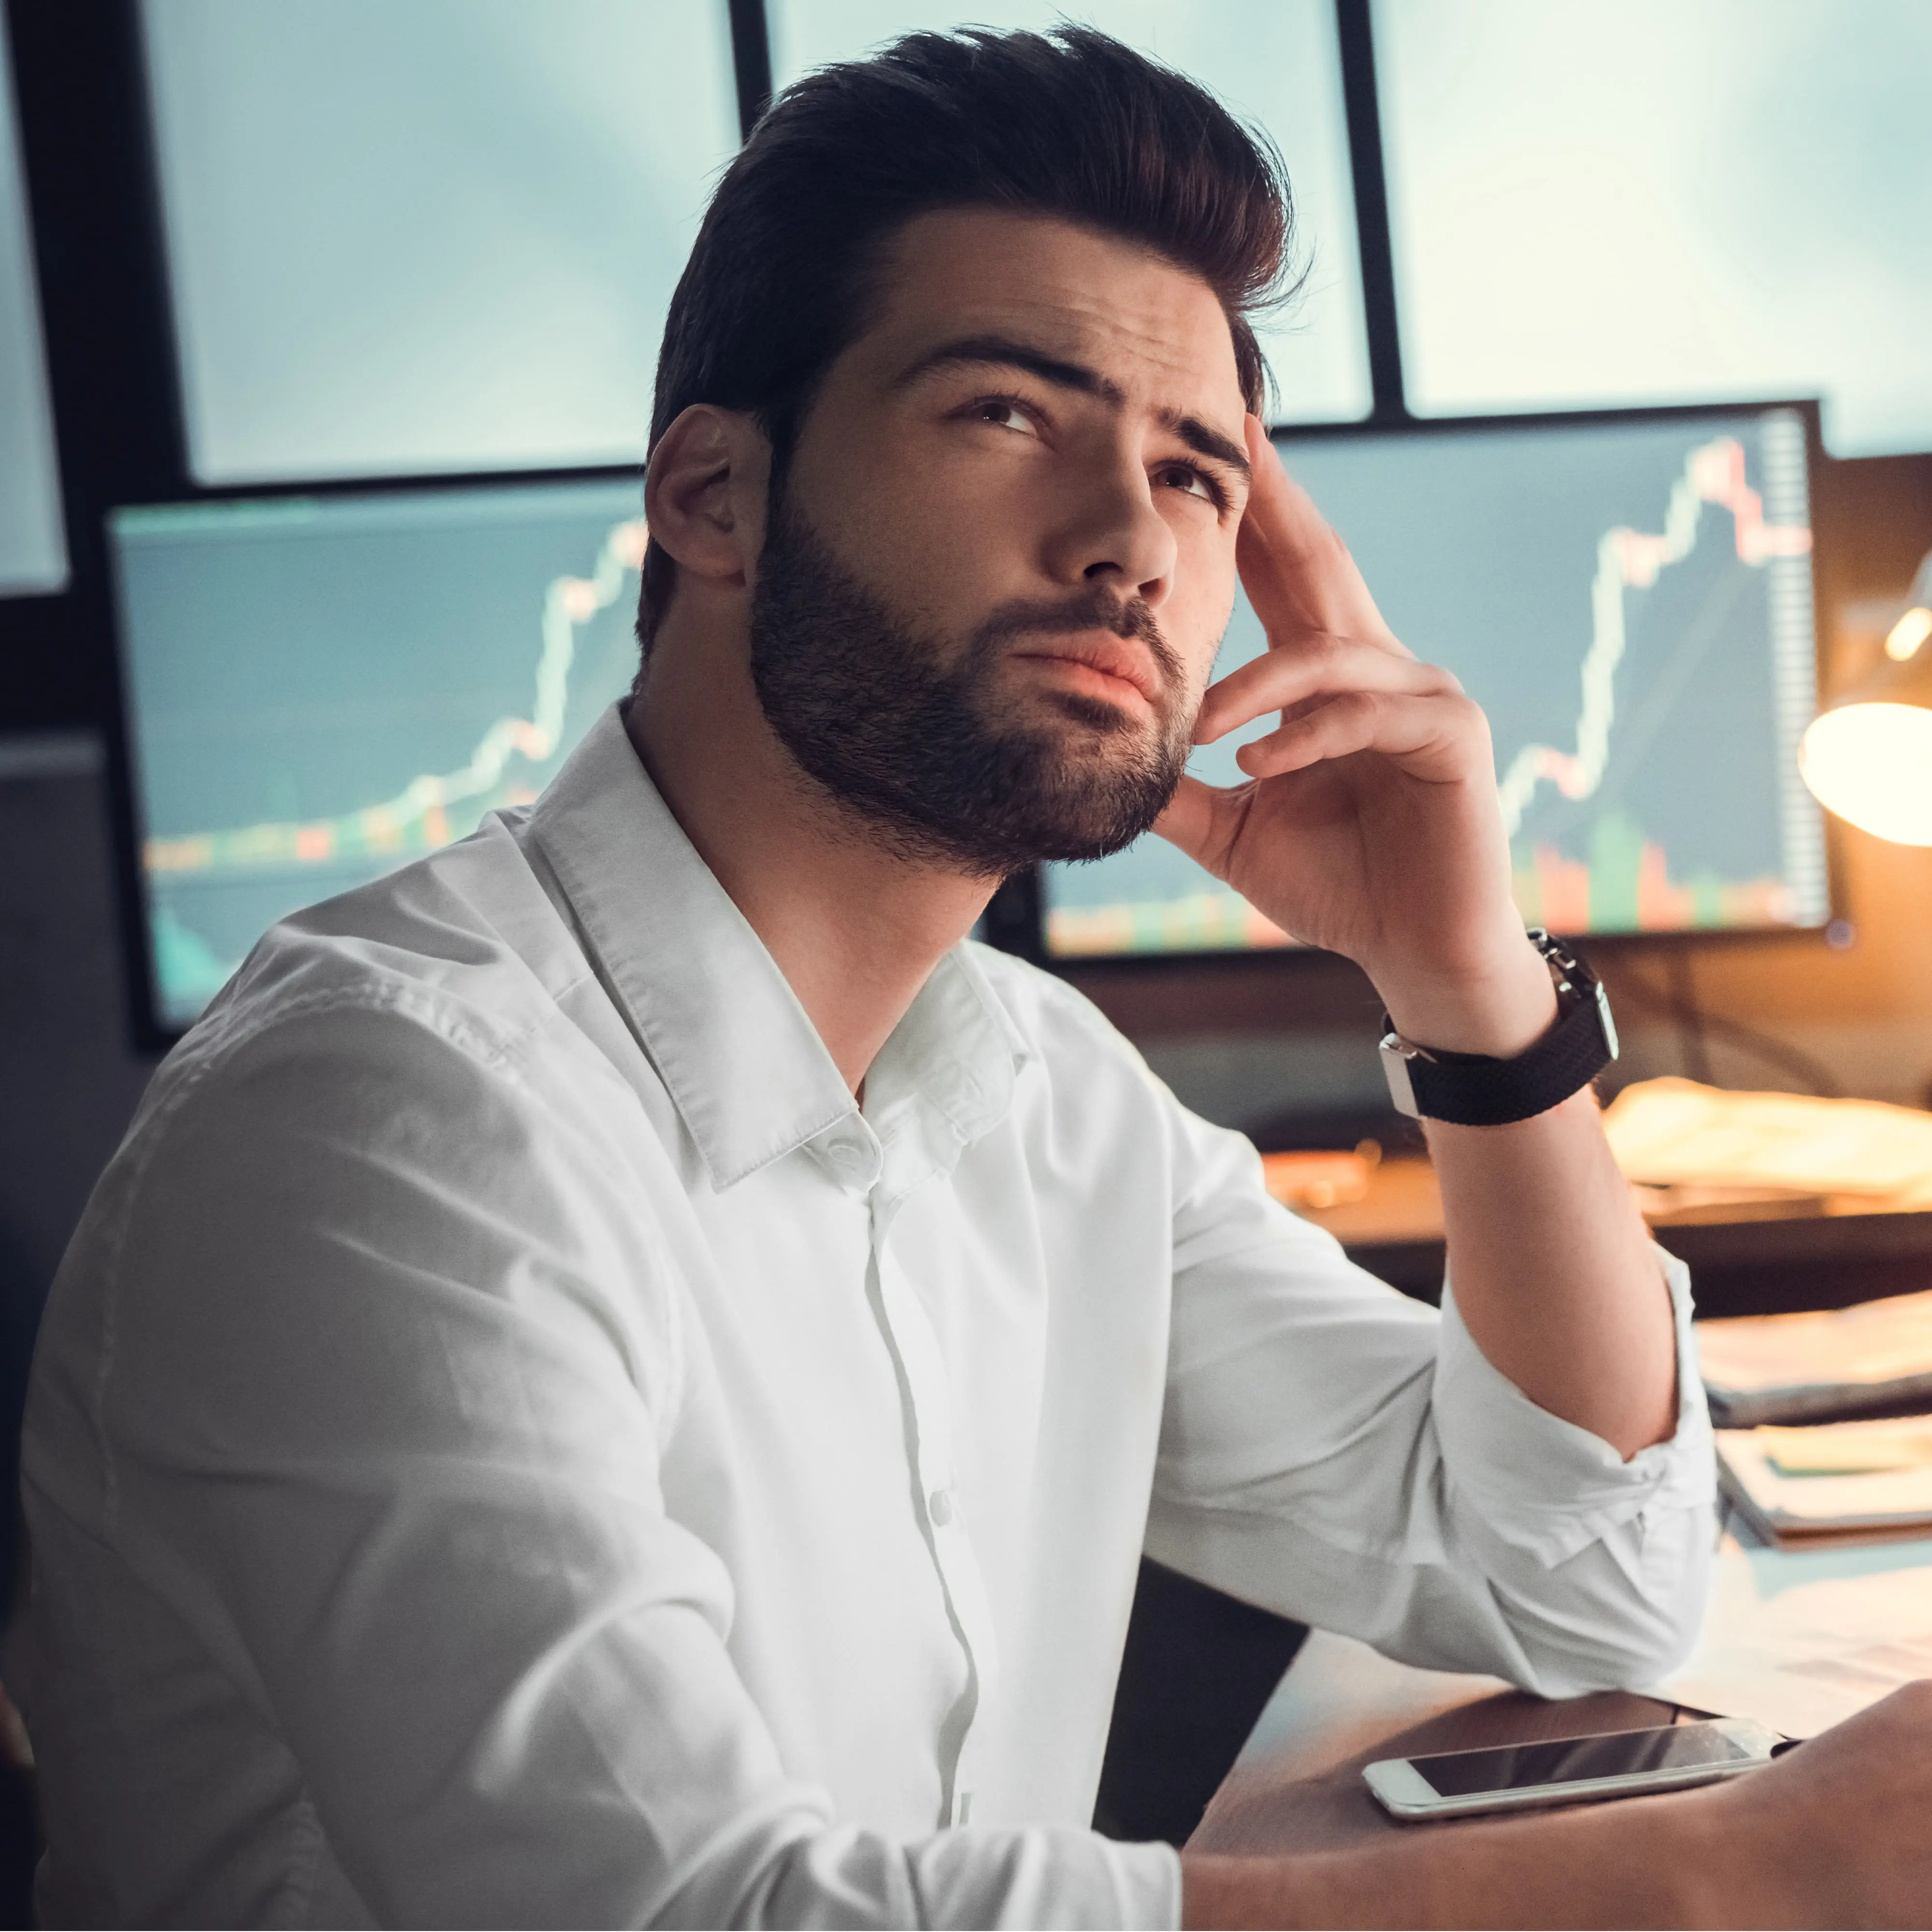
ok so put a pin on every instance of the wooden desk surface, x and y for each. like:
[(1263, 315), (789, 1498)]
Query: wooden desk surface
[(1821, 1252), (1298, 1786)]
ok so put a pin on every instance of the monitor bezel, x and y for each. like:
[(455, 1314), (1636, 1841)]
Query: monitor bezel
[(1016, 922)]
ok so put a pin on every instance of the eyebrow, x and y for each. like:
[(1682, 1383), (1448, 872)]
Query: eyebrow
[(1005, 352)]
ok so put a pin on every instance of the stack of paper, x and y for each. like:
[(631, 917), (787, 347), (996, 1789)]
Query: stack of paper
[(1797, 1485), (1802, 1659), (1677, 1134), (1839, 1362)]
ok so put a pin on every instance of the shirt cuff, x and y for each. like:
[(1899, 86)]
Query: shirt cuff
[(1544, 1485)]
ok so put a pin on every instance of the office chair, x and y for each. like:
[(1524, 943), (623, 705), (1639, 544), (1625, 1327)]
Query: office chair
[(1197, 1667)]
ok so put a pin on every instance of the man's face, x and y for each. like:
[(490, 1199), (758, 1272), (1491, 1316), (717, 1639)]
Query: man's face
[(1003, 556)]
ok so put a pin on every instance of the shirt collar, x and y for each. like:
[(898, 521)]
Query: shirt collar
[(738, 1054)]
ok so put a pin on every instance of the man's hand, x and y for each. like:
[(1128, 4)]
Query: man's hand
[(1369, 824), (1838, 1833)]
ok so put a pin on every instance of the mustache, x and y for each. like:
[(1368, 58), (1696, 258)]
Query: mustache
[(1127, 618)]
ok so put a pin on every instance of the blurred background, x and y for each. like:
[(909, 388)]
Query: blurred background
[(327, 334)]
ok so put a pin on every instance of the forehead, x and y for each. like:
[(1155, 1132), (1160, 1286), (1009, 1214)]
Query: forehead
[(1157, 331)]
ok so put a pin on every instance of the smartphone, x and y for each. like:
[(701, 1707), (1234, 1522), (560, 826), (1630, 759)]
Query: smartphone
[(1570, 1771)]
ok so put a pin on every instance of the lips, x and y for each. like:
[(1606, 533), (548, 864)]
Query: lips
[(1112, 657)]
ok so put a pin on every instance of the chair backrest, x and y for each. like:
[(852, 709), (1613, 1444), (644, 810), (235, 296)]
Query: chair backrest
[(1198, 1668)]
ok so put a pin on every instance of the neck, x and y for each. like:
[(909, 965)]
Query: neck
[(854, 927)]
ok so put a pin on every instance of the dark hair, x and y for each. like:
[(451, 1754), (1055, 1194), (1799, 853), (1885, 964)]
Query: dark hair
[(1072, 124)]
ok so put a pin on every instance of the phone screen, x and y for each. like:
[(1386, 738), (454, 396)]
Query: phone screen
[(1570, 1760)]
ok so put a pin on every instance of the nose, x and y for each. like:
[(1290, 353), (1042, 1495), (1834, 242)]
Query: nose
[(1109, 531)]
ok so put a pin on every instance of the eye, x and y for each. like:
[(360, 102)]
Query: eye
[(1004, 413), (1191, 482)]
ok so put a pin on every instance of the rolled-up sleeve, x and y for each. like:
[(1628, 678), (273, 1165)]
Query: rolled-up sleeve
[(1341, 1454)]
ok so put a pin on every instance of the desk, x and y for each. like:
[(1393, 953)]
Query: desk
[(1297, 1785), (1826, 1252)]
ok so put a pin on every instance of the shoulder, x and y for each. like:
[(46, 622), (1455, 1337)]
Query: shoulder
[(383, 1138), (414, 1023), (467, 935), (456, 972), (364, 1111)]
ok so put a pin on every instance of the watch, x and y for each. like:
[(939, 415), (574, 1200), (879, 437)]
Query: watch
[(1472, 1090)]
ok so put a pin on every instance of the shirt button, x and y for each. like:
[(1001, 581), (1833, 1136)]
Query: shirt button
[(939, 1506), (847, 1155)]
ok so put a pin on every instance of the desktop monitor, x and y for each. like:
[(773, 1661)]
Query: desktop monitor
[(320, 689), (1662, 202), (436, 238), (1629, 598)]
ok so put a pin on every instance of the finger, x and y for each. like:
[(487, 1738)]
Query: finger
[(1318, 665), (1443, 740), (1296, 572), (1204, 820)]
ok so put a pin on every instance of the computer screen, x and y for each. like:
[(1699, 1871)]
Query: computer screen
[(1629, 598), (321, 689), (436, 237), (33, 543), (1275, 62), (1662, 202)]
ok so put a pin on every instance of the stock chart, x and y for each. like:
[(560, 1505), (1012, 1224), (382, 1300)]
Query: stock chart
[(324, 689)]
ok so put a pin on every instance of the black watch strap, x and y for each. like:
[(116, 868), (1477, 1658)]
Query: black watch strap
[(1472, 1090)]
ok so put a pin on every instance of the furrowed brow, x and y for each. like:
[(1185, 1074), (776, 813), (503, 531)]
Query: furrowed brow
[(1206, 442), (1004, 352)]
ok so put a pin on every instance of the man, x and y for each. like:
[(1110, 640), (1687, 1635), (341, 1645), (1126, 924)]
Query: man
[(622, 1374)]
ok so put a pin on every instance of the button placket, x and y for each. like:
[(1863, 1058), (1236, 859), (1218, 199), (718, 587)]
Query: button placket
[(923, 1363)]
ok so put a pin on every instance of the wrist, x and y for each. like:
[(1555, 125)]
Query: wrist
[(1499, 1007), (1695, 1854), (1662, 1861)]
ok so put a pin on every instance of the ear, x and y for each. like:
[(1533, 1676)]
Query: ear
[(704, 493)]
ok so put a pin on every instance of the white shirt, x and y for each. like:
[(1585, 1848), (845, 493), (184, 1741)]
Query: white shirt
[(512, 1442)]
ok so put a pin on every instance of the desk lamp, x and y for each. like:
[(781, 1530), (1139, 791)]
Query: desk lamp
[(1869, 757)]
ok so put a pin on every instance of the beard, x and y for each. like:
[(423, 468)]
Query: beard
[(909, 731)]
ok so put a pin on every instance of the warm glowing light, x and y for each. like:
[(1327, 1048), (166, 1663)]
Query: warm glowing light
[(1908, 634), (1872, 765)]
